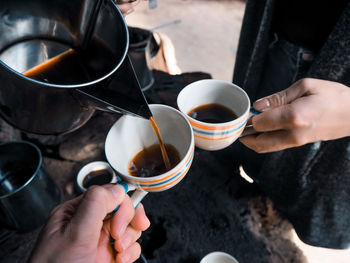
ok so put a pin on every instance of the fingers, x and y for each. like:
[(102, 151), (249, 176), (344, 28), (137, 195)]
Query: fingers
[(62, 214), (105, 252), (140, 220), (283, 97), (269, 120), (130, 255), (126, 215), (285, 117), (280, 128), (96, 203), (271, 141), (284, 120), (127, 7), (129, 237), (122, 218), (133, 232)]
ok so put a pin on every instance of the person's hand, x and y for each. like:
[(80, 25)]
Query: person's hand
[(310, 110), (127, 6), (80, 230)]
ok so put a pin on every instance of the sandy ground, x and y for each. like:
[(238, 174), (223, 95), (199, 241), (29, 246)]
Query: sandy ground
[(204, 33)]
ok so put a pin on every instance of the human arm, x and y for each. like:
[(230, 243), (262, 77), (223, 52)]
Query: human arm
[(127, 6), (80, 230), (308, 111)]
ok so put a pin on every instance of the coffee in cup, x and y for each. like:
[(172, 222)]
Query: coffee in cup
[(212, 113), (217, 111), (95, 173), (149, 161)]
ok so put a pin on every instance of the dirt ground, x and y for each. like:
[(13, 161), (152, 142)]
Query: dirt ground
[(204, 34)]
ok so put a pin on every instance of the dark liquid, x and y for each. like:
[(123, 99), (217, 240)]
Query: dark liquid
[(213, 113), (161, 144), (149, 162), (75, 66), (98, 177)]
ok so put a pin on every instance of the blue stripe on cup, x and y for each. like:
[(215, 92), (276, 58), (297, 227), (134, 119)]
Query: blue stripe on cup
[(221, 133), (172, 178)]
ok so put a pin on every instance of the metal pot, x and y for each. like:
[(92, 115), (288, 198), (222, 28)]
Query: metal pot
[(34, 31), (27, 192), (140, 54)]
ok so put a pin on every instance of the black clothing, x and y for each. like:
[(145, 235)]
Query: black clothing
[(307, 23), (310, 184)]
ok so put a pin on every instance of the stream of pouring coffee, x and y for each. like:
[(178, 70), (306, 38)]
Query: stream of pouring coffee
[(51, 63), (161, 144)]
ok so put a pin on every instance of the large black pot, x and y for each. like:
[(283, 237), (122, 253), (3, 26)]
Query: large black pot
[(27, 192), (33, 32)]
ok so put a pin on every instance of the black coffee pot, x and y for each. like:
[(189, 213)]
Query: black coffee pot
[(33, 32)]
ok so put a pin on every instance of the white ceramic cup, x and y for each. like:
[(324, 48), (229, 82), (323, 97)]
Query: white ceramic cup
[(130, 135), (94, 167), (218, 257), (215, 136)]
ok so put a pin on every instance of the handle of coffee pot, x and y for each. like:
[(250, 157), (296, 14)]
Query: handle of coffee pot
[(120, 93)]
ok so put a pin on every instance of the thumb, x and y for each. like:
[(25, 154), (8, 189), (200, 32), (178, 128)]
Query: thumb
[(96, 203), (280, 98)]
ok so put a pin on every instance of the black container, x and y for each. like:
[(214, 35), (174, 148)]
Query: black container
[(141, 52), (34, 31), (27, 192)]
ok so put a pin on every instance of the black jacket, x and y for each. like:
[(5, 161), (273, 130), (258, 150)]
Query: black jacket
[(309, 184)]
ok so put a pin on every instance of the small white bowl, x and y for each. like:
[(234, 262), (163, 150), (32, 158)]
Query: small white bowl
[(91, 167), (218, 257)]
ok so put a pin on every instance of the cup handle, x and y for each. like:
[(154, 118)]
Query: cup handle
[(136, 196), (249, 130)]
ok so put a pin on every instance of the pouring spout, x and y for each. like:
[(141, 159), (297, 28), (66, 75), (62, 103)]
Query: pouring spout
[(145, 113), (119, 94)]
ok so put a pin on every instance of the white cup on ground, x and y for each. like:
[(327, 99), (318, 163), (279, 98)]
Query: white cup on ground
[(218, 257)]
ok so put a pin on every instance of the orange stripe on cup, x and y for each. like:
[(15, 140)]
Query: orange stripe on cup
[(165, 178), (170, 183), (221, 138), (215, 128)]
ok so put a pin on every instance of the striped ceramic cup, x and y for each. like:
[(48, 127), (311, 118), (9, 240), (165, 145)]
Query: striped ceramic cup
[(129, 135), (215, 136)]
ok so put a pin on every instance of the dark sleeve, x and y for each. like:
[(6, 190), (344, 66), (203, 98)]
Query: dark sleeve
[(333, 61)]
